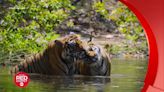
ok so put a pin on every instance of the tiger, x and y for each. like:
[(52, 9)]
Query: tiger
[(68, 56), (94, 62), (57, 59)]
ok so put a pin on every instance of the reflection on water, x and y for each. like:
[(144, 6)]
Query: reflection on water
[(127, 76)]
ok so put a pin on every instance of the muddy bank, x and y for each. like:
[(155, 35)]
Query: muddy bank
[(118, 47)]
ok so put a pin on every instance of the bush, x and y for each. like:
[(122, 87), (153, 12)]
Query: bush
[(127, 25), (29, 24)]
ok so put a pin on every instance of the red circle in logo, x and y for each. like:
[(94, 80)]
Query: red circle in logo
[(21, 79)]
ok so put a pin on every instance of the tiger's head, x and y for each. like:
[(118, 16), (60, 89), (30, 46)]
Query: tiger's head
[(90, 53), (72, 48), (76, 49)]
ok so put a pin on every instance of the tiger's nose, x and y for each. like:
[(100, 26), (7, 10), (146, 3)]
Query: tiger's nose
[(91, 53)]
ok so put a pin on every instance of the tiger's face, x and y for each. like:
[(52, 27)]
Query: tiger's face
[(76, 49), (73, 48), (91, 54)]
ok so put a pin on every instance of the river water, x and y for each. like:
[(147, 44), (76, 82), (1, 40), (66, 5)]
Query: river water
[(127, 76)]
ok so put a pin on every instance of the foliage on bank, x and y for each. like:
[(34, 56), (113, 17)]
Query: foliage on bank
[(26, 26), (127, 25)]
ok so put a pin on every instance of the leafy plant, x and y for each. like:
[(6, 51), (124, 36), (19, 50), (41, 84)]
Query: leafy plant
[(28, 25), (127, 25), (99, 7)]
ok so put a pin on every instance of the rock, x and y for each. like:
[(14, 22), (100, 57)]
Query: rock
[(109, 36)]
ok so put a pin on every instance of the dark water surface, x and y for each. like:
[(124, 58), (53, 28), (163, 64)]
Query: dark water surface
[(127, 76)]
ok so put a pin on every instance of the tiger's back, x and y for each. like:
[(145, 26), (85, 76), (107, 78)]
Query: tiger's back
[(42, 62), (50, 61), (68, 56)]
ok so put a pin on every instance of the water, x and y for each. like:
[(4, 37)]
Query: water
[(127, 76)]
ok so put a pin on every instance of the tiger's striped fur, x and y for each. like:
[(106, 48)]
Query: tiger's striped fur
[(96, 63), (68, 56), (55, 60)]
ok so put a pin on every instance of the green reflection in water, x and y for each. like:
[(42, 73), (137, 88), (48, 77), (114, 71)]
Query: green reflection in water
[(127, 76)]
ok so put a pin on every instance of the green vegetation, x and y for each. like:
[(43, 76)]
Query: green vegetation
[(26, 26), (100, 8), (128, 25)]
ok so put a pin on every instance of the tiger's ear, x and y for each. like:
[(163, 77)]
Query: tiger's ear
[(90, 39), (58, 42)]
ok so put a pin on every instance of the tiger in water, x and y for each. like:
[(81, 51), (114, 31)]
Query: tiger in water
[(68, 56), (94, 62)]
